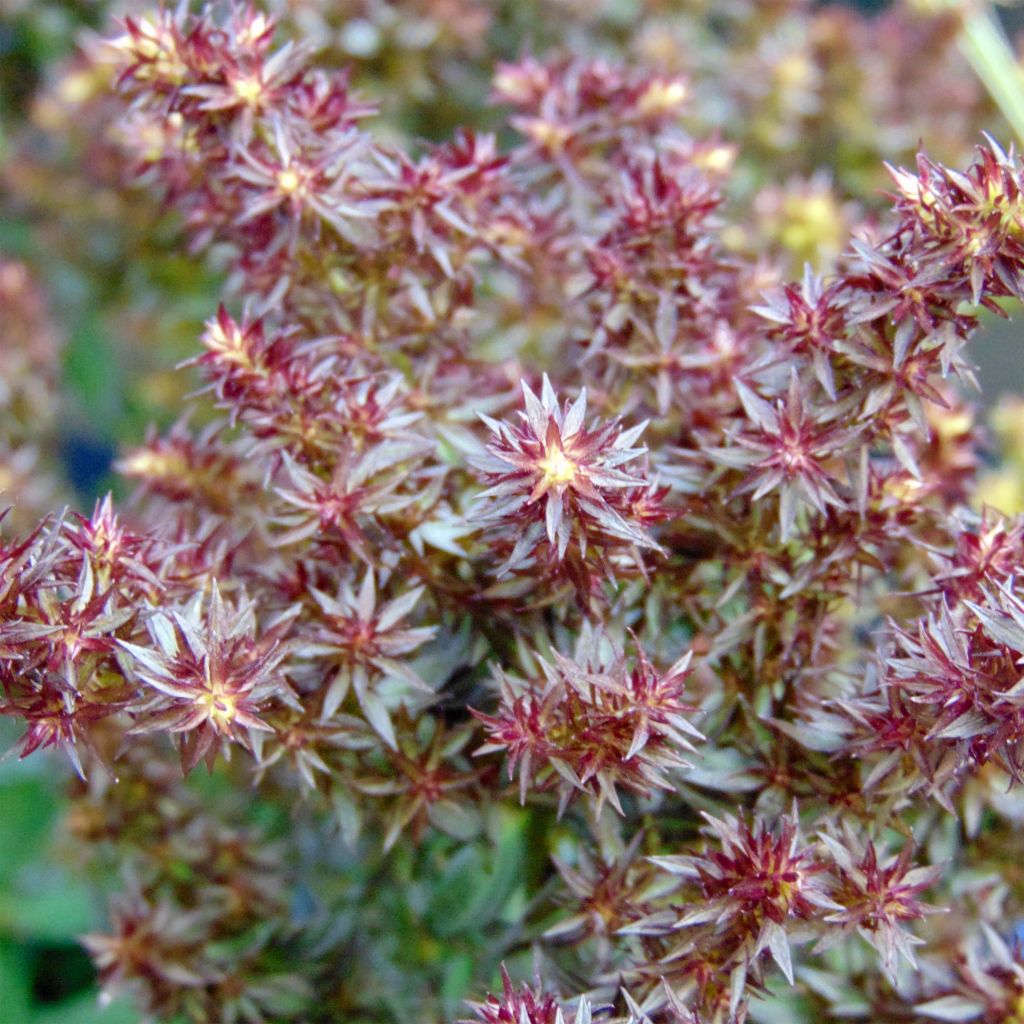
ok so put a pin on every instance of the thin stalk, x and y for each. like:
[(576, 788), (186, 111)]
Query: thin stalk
[(984, 44)]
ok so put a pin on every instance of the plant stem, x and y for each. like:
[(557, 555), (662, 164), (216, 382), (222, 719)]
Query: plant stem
[(984, 44)]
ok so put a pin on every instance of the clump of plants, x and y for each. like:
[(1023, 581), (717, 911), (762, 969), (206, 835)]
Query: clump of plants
[(541, 583)]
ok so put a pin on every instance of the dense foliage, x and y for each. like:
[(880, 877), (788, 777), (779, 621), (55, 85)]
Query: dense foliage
[(571, 558)]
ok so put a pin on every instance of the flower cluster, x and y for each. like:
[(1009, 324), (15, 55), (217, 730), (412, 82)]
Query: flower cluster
[(594, 722), (555, 483), (526, 1005)]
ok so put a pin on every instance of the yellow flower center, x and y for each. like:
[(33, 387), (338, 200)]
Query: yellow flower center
[(661, 97), (288, 181), (1018, 1009), (545, 133), (155, 465), (221, 707), (717, 159), (230, 344), (558, 468), (248, 90)]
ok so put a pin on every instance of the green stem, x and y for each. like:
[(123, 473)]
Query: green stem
[(985, 46)]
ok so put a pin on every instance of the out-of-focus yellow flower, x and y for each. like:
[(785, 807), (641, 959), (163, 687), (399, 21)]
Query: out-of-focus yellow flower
[(1008, 424), (1003, 489)]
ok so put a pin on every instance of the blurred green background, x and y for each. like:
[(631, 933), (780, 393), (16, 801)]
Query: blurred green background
[(45, 976)]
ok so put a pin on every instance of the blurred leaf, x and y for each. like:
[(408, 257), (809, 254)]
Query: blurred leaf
[(15, 235), (475, 887), (451, 904), (458, 981), (27, 811), (92, 374), (85, 1010), (46, 906), (14, 990)]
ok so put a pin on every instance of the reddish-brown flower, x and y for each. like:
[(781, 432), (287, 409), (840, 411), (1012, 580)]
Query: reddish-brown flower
[(553, 477), (210, 677)]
